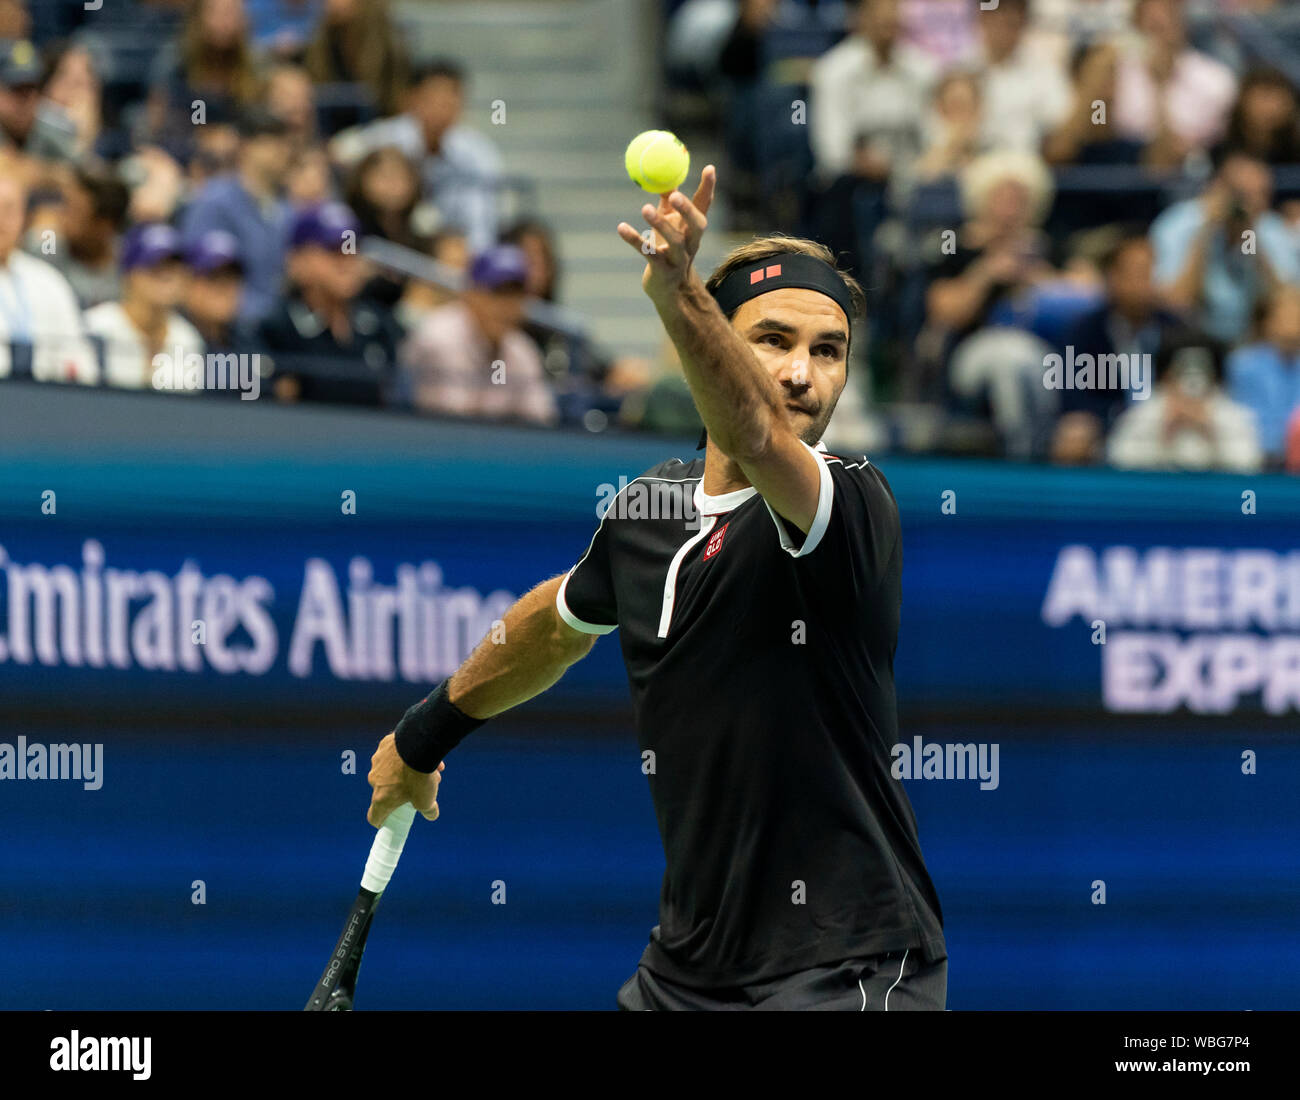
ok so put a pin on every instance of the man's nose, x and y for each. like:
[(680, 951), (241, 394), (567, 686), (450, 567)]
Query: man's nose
[(794, 371)]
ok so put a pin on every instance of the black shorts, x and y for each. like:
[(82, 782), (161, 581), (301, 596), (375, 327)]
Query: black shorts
[(897, 981)]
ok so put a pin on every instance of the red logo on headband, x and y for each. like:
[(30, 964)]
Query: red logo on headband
[(770, 272)]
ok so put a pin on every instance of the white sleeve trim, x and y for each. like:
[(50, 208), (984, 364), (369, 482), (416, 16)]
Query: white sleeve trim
[(569, 617), (821, 519)]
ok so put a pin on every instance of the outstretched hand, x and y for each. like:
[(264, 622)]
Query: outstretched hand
[(676, 228)]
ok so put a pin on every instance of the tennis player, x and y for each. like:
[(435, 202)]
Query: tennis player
[(758, 625)]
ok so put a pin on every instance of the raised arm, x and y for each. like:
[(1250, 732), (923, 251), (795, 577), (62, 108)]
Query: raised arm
[(508, 667), (739, 402)]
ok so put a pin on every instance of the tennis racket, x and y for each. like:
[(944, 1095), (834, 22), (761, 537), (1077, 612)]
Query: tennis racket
[(338, 985)]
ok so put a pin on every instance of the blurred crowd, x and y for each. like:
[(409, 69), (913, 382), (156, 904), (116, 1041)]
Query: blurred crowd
[(199, 178), (1094, 183), (1078, 220)]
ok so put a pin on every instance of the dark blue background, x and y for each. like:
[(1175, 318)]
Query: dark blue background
[(237, 780)]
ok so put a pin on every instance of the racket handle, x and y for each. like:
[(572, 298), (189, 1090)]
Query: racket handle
[(387, 848)]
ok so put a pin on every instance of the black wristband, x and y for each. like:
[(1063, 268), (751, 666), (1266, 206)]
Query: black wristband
[(431, 729)]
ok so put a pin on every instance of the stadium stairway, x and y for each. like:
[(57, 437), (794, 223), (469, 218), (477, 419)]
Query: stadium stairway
[(578, 79)]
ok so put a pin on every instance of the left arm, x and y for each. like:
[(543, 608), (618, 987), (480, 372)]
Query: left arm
[(738, 401)]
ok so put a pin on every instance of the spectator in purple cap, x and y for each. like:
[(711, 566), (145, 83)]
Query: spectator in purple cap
[(144, 333), (212, 296), (249, 205), (328, 342), (472, 358)]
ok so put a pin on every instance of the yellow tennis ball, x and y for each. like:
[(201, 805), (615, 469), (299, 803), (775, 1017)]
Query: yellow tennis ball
[(656, 161)]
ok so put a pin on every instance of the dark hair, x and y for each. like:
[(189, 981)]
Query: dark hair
[(1226, 151), (1284, 143), (1182, 340), (372, 220), (1023, 5), (1126, 236), (110, 198), (439, 68), (776, 244), (533, 227), (366, 49)]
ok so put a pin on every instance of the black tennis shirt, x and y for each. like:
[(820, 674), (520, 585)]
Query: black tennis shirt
[(760, 662)]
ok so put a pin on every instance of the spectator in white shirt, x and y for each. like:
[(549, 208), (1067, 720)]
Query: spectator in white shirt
[(867, 95), (144, 333), (1026, 93), (867, 100), (1188, 423), (1172, 98), (40, 321), (1059, 27)]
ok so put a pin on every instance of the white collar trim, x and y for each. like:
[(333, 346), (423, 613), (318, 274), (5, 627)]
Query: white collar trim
[(708, 505)]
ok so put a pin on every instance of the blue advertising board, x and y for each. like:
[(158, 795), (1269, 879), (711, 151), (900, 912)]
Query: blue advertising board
[(1124, 648)]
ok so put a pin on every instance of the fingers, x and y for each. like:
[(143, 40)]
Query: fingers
[(667, 239), (705, 191), (381, 805), (678, 222), (691, 214), (630, 235), (395, 784), (663, 222)]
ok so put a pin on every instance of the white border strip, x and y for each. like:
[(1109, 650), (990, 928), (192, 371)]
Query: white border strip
[(821, 518), (581, 625)]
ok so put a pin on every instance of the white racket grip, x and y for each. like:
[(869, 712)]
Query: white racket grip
[(387, 848)]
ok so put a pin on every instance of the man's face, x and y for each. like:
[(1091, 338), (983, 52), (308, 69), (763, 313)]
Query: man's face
[(880, 22), (223, 23), (290, 95), (499, 311), (1161, 21), (214, 298), (338, 275), (1251, 183), (800, 337), (1008, 205), (345, 274), (18, 108), (13, 212), (437, 104), (217, 147), (1130, 279), (1001, 27), (269, 157), (162, 285)]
